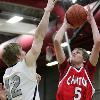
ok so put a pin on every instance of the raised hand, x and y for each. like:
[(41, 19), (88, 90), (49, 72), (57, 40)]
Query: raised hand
[(89, 14), (50, 5)]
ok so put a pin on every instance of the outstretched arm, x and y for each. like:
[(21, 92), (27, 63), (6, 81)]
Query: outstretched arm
[(57, 42), (96, 38), (41, 30)]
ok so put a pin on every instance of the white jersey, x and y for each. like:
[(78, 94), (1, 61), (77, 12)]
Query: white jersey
[(20, 82)]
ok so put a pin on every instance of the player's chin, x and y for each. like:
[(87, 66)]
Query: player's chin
[(73, 58)]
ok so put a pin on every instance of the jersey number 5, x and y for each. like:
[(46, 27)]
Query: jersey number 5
[(77, 93)]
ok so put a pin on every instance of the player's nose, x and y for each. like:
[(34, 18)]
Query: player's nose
[(73, 53)]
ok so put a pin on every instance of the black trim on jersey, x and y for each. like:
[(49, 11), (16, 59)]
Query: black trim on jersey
[(13, 65), (35, 92)]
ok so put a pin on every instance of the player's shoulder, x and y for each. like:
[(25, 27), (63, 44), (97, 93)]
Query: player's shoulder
[(7, 73), (14, 68), (8, 70)]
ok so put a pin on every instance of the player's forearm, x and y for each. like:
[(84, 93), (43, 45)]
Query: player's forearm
[(95, 31), (43, 25), (59, 35), (3, 97)]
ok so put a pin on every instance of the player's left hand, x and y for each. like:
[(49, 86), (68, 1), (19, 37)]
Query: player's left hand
[(38, 77)]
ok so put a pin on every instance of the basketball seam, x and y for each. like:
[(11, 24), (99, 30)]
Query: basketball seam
[(73, 17), (68, 18), (81, 16), (77, 16)]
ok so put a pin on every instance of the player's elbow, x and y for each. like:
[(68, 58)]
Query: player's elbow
[(97, 45), (56, 42), (97, 42)]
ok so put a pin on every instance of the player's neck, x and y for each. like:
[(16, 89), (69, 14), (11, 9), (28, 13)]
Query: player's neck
[(78, 65)]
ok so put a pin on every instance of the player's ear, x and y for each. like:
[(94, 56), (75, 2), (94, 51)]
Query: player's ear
[(84, 61), (18, 57)]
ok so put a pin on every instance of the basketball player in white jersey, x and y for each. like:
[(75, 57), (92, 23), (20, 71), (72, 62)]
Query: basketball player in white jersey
[(76, 74), (20, 77)]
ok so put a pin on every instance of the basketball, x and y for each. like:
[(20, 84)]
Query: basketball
[(76, 15)]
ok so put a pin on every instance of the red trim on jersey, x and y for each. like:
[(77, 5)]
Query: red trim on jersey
[(63, 68), (90, 70)]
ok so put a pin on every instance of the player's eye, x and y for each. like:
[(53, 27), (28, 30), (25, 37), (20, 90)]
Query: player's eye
[(78, 52)]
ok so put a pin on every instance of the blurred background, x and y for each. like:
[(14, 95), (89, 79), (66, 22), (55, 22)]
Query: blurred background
[(29, 14)]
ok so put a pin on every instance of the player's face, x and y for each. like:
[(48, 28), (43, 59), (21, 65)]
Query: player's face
[(23, 53), (77, 56)]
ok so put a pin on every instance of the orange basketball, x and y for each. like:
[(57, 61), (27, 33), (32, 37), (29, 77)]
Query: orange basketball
[(76, 15)]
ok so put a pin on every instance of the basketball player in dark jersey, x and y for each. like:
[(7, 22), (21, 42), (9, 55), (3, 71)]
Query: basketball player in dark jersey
[(76, 73)]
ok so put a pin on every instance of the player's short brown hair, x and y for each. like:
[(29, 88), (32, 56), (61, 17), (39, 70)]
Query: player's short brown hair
[(10, 53), (85, 54)]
